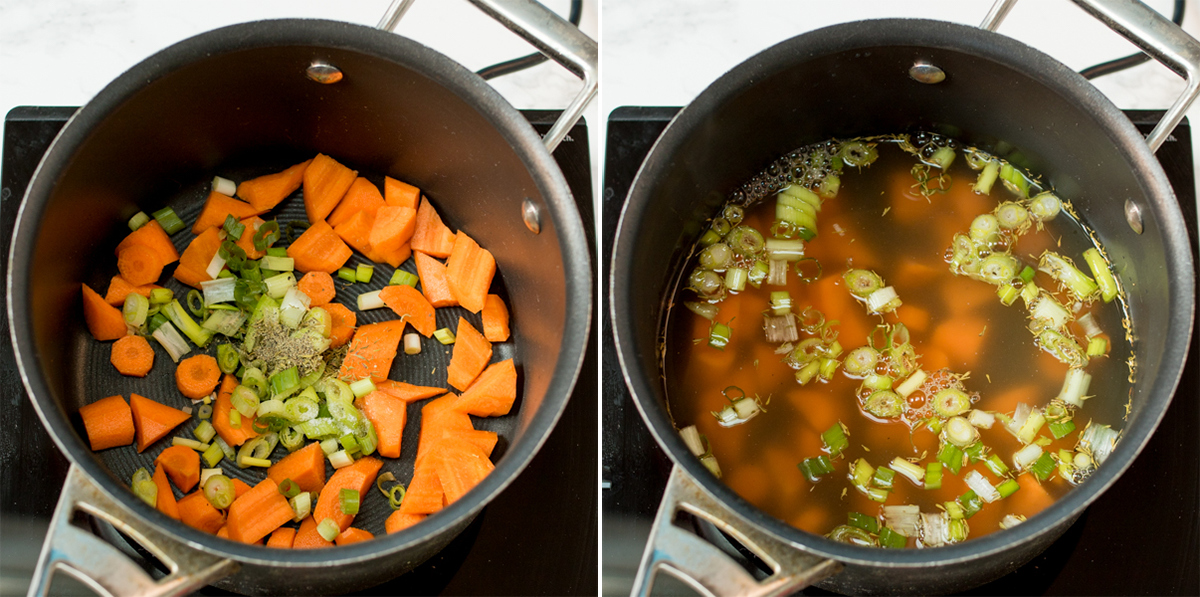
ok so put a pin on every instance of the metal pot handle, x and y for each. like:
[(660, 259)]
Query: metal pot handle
[(1153, 33), (103, 567), (553, 36), (707, 569)]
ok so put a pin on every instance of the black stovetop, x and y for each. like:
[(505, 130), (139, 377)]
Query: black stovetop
[(1141, 537), (537, 538)]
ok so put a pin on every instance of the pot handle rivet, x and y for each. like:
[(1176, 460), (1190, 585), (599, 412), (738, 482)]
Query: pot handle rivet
[(1133, 215), (532, 215), (923, 72), (323, 72)]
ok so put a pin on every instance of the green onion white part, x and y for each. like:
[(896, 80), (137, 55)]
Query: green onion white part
[(915, 473), (370, 300), (224, 186), (959, 432), (910, 385), (903, 519), (1045, 206), (279, 284), (981, 487), (412, 343), (884, 300), (1104, 277), (170, 340), (1030, 428), (219, 290), (1061, 269), (1026, 456), (981, 419), (1097, 440), (340, 459)]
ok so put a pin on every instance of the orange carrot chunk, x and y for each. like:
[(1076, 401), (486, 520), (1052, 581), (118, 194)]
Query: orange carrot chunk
[(305, 467), (393, 257), (196, 512), (411, 306), (353, 535), (469, 273), (265, 192), (461, 467), (239, 487), (387, 414), (359, 477), (308, 537), (424, 494), (166, 498), (318, 286), (197, 376), (153, 420), (398, 521), (104, 321), (319, 249), (344, 321), (217, 207), (393, 228), (400, 193), (493, 392), (430, 235), (282, 538), (356, 231), (139, 265), (372, 350), (108, 422), (246, 242), (234, 436), (471, 354), (193, 264), (361, 197), (258, 512), (182, 465), (325, 183), (119, 288), (132, 356), (433, 281), (439, 418), (406, 391), (151, 235), (495, 319)]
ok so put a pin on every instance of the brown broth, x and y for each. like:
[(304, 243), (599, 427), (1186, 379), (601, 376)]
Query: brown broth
[(955, 322)]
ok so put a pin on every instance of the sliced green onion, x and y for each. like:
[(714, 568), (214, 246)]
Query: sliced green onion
[(971, 504), (213, 454), (1103, 275), (169, 220), (1075, 385), (883, 478), (780, 249), (302, 505), (270, 408), (135, 309), (412, 343), (862, 282), (184, 322), (348, 501), (279, 264), (781, 302), (189, 443), (951, 456), (143, 486), (1032, 425), (959, 432), (835, 439), (219, 491), (985, 228), (1061, 269), (1061, 429), (814, 468), (943, 157), (950, 402), (1013, 179), (1008, 294), (914, 472), (362, 387), (877, 382), (1012, 216), (266, 235), (975, 452), (399, 278), (709, 237), (1043, 466), (227, 358), (244, 400), (233, 228), (719, 335), (933, 475), (864, 522), (444, 335), (736, 278), (996, 465), (861, 472), (1097, 347), (138, 220), (369, 441), (279, 284), (1045, 206), (370, 300), (328, 529), (364, 272), (340, 459), (348, 274), (987, 178), (289, 489), (204, 412), (884, 404), (1008, 487), (204, 432), (285, 382), (891, 539)]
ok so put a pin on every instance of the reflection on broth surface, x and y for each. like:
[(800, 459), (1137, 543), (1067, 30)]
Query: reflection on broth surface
[(980, 374)]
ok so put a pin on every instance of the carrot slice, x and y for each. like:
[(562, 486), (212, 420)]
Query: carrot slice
[(319, 249), (461, 467), (361, 197), (424, 494), (393, 258), (246, 242), (471, 354), (305, 467), (196, 512), (493, 392), (282, 538), (387, 415), (265, 192), (433, 281), (153, 420), (495, 319), (258, 512), (234, 436), (325, 183), (469, 272), (197, 376), (217, 207), (104, 321), (165, 502), (182, 465), (119, 288), (353, 535), (308, 537), (411, 306), (318, 286), (393, 228), (139, 265), (239, 487), (151, 235), (132, 356), (372, 350), (359, 476), (400, 193), (485, 440), (398, 521), (439, 418), (430, 235), (406, 391), (356, 231), (193, 264), (108, 422), (344, 321)]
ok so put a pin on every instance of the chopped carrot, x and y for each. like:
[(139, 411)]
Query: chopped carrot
[(282, 538), (353, 535), (372, 350), (359, 476), (963, 295), (258, 512), (913, 317), (424, 494), (308, 537), (394, 257), (108, 422), (400, 193), (361, 197), (196, 512), (344, 321), (139, 265), (493, 392), (152, 420), (265, 192), (318, 286), (471, 354), (406, 391), (469, 272), (239, 487), (319, 249), (411, 306), (960, 338), (193, 264), (485, 440), (439, 418), (234, 436), (119, 288), (433, 281), (132, 356), (217, 207), (151, 235), (430, 235), (495, 319), (182, 465), (398, 521), (325, 183), (461, 467), (393, 228), (197, 376), (246, 242), (356, 231), (104, 321), (305, 467), (387, 414), (165, 502)]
